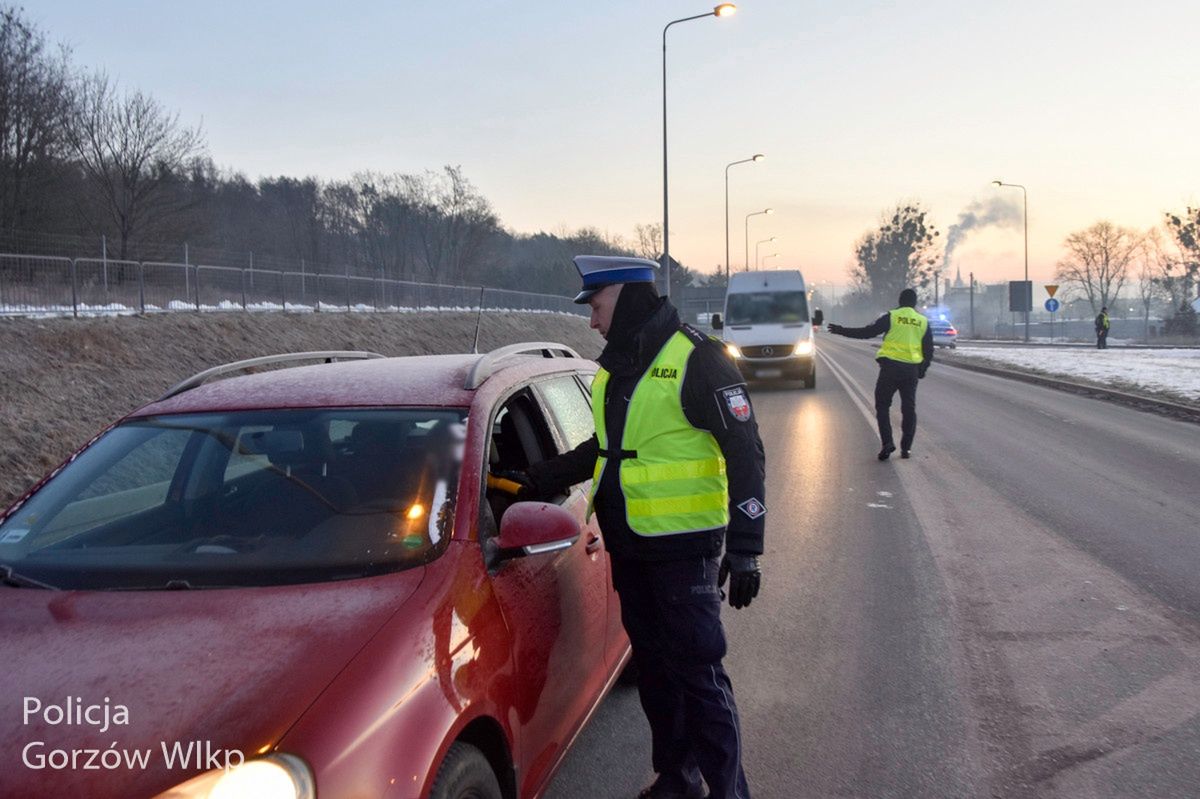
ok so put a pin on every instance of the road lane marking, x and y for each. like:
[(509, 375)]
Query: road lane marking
[(851, 386)]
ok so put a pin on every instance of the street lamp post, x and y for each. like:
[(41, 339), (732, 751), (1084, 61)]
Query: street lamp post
[(722, 10), (772, 255), (1025, 203), (746, 263), (755, 157), (764, 241)]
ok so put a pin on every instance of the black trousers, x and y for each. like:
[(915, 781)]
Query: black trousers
[(672, 612), (1102, 339), (896, 376)]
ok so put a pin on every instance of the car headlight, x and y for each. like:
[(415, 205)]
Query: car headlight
[(270, 777), (733, 351), (803, 348)]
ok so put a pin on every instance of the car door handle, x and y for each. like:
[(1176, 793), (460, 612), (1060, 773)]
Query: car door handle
[(593, 543)]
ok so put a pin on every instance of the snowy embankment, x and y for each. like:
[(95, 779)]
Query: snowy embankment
[(1173, 372)]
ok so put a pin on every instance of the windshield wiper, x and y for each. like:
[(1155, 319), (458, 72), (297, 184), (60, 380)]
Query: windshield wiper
[(11, 578)]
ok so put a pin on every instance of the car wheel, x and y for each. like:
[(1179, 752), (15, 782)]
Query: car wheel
[(465, 774)]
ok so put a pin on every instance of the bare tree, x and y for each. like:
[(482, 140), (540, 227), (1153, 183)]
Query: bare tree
[(649, 241), (1098, 260), (33, 97), (130, 148), (1152, 259)]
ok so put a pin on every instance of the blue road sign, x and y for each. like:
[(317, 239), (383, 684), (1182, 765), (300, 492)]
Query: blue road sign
[(1052, 305)]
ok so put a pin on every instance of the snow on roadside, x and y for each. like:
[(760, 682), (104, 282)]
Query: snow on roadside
[(1175, 371)]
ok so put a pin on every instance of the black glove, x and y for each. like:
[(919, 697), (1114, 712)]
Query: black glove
[(921, 372), (527, 490), (744, 577), (835, 329)]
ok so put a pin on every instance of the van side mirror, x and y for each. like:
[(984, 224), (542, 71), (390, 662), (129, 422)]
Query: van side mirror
[(716, 322), (818, 318)]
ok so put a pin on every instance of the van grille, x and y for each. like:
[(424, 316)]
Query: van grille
[(768, 351)]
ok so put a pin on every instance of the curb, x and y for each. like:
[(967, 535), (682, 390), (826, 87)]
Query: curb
[(1187, 413)]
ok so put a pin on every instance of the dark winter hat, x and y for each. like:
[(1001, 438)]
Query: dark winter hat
[(908, 298)]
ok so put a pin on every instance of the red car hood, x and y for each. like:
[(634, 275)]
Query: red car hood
[(236, 667)]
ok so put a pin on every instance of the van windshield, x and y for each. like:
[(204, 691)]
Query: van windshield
[(766, 308)]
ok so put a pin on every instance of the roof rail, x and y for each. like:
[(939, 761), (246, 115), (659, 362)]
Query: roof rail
[(484, 367), (238, 366)]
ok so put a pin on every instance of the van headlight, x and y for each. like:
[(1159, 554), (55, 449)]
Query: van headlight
[(271, 777), (803, 348), (733, 351)]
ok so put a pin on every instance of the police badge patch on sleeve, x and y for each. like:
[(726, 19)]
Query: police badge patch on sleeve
[(752, 508), (737, 403)]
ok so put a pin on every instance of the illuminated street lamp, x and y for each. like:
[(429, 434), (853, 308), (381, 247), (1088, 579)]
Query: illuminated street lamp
[(1025, 202), (746, 263), (722, 10), (764, 241), (755, 157)]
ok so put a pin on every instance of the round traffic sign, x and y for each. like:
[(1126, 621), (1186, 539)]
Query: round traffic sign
[(1052, 305)]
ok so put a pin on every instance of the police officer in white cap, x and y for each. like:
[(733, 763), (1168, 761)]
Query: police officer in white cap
[(677, 472)]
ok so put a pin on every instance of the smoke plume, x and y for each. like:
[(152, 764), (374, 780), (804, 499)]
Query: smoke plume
[(992, 212)]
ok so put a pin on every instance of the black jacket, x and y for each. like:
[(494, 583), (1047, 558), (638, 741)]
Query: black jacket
[(880, 327), (713, 396)]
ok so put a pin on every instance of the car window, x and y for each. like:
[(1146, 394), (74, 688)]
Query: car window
[(570, 409), (135, 479), (264, 498)]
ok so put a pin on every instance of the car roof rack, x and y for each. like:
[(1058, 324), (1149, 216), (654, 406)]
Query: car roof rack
[(237, 366), (486, 365)]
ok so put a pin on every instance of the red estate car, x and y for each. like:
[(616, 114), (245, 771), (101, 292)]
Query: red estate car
[(306, 569)]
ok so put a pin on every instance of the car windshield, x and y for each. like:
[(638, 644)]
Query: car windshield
[(243, 499), (767, 307)]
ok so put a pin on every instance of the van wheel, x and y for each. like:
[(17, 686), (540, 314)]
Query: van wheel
[(465, 774)]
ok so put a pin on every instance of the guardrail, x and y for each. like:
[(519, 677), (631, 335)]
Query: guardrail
[(50, 286)]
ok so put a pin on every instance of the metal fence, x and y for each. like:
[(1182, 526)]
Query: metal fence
[(49, 286)]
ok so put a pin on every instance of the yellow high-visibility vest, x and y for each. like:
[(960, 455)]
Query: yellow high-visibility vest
[(903, 341), (671, 473)]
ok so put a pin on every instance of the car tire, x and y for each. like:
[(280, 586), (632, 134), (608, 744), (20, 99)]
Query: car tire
[(465, 774)]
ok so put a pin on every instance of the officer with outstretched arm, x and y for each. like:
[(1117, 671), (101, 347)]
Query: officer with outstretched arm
[(903, 359), (677, 471)]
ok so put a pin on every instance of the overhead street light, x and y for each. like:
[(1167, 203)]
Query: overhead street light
[(1025, 203), (746, 263), (722, 10), (772, 255), (764, 241), (755, 157)]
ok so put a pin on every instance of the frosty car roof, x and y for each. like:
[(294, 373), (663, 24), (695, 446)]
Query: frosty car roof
[(362, 379)]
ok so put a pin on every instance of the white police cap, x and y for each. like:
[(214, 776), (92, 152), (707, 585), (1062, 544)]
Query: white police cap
[(599, 271)]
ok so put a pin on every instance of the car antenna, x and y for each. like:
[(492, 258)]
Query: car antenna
[(478, 321)]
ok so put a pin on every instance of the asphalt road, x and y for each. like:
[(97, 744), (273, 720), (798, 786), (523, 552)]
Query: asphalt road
[(1015, 612)]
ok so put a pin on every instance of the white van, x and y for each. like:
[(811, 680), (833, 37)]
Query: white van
[(767, 327)]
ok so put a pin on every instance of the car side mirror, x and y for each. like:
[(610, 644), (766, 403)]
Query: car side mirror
[(716, 322), (534, 528), (818, 318)]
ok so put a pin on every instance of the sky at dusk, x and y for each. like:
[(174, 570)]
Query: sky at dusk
[(554, 110)]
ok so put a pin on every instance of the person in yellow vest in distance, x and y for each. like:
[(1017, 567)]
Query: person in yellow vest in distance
[(1102, 329), (677, 471), (903, 359)]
